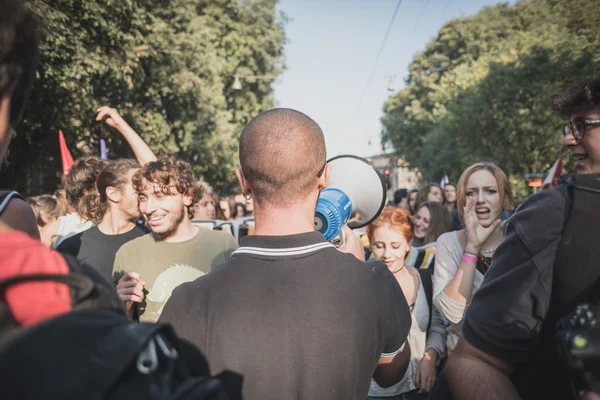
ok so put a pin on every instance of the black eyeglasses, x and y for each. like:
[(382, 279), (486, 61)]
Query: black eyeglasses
[(577, 128)]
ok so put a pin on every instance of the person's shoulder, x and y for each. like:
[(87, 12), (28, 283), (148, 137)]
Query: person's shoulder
[(544, 207), (448, 239), (556, 197), (18, 215), (216, 237), (372, 270), (70, 243), (136, 243)]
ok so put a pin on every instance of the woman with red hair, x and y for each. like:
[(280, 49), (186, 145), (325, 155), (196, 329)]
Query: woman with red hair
[(390, 236)]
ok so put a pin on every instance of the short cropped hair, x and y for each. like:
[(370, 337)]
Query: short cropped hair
[(19, 52), (168, 172), (399, 195), (576, 96), (282, 152), (81, 179), (397, 219), (506, 195)]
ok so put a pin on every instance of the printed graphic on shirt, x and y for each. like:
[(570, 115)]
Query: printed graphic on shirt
[(166, 282)]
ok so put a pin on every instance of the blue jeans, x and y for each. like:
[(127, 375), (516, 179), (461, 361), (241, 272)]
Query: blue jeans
[(412, 395)]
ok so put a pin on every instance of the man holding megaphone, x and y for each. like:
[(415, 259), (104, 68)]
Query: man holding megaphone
[(292, 314)]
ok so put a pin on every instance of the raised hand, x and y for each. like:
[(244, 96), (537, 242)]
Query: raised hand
[(476, 233), (111, 116), (353, 245), (142, 152)]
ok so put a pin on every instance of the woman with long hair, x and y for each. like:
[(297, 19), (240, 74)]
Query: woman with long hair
[(431, 220), (463, 257), (412, 200), (390, 236)]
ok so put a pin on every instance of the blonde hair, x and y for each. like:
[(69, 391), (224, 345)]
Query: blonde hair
[(506, 196), (47, 204)]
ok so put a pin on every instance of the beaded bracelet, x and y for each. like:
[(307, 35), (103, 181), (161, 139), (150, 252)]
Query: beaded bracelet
[(470, 258)]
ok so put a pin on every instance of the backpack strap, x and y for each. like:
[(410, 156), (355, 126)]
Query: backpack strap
[(428, 288), (420, 258), (6, 197)]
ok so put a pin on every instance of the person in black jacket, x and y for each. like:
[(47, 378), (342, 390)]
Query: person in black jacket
[(543, 268)]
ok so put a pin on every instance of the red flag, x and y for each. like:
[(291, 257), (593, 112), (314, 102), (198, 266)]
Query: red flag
[(65, 154), (553, 175)]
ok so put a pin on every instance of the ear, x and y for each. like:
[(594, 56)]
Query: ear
[(243, 181), (113, 194), (324, 178), (188, 199)]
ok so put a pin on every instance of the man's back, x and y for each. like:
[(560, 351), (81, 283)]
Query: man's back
[(295, 317)]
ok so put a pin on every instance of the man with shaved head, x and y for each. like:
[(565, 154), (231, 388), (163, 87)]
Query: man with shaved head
[(294, 316)]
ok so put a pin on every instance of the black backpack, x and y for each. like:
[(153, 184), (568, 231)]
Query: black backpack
[(95, 352)]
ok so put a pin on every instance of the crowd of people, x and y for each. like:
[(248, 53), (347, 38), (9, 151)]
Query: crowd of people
[(450, 292)]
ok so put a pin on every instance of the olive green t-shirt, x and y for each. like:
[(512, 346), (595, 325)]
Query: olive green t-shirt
[(164, 266)]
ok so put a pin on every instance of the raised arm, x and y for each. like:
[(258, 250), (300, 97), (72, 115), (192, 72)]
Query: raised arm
[(142, 151), (458, 288)]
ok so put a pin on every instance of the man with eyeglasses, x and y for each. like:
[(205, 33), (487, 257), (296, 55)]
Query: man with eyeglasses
[(548, 263)]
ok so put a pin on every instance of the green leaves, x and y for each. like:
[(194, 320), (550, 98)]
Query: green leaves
[(167, 67), (481, 89)]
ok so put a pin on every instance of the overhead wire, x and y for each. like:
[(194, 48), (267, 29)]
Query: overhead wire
[(420, 16), (446, 8), (381, 47)]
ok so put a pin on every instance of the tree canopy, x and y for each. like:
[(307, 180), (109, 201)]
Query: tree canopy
[(480, 90), (167, 66)]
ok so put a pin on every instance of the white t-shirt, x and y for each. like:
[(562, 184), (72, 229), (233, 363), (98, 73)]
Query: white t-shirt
[(70, 224)]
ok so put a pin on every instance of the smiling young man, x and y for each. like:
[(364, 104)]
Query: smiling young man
[(546, 266), (148, 268)]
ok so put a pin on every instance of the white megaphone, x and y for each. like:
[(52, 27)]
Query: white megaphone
[(355, 191)]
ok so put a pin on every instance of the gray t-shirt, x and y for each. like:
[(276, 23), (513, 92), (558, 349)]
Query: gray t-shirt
[(164, 266)]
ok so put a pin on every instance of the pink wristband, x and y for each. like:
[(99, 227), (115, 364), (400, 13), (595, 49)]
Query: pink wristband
[(469, 258)]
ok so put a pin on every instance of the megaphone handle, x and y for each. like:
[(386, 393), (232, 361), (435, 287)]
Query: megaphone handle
[(340, 239)]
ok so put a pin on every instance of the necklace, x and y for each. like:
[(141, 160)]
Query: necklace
[(485, 262), (493, 249)]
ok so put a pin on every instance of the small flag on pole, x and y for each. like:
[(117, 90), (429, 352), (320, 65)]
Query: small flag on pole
[(65, 154), (445, 180), (103, 152), (553, 175)]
